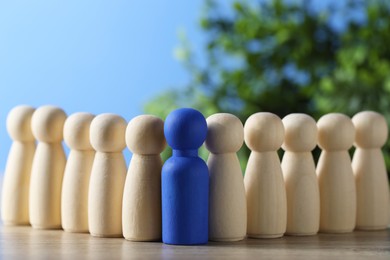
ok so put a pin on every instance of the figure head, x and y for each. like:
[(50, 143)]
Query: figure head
[(225, 133), (264, 132), (185, 129), (335, 132), (19, 123), (107, 133), (371, 129), (47, 124), (145, 135), (300, 133), (76, 131)]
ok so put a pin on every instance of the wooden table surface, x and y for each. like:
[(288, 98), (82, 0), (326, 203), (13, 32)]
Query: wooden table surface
[(28, 243)]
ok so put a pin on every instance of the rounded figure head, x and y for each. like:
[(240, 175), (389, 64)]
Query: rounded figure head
[(300, 133), (47, 124), (371, 129), (76, 131), (225, 133), (19, 123), (107, 133), (264, 132), (335, 132), (145, 135), (185, 129)]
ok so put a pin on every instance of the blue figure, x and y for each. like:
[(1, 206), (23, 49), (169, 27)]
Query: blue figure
[(185, 180)]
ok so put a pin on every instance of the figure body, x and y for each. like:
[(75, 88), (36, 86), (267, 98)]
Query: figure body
[(185, 180), (16, 183), (264, 184)]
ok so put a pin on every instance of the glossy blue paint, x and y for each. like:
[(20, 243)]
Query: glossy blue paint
[(185, 180)]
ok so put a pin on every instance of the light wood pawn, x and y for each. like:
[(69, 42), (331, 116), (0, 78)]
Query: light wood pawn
[(372, 184), (74, 204), (48, 168), (227, 208), (264, 185), (141, 211), (336, 134), (16, 182), (303, 195), (107, 136)]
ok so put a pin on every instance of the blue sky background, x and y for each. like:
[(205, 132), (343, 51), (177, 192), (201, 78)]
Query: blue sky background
[(94, 56), (100, 56)]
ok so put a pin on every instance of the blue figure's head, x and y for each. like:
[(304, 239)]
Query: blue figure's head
[(185, 129)]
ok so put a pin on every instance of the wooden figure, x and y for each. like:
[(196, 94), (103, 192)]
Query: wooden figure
[(227, 211), (299, 172), (264, 185), (48, 168), (141, 210), (185, 180), (372, 184), (336, 134), (16, 182), (74, 200), (107, 136)]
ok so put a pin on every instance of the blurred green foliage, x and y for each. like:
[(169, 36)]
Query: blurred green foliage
[(286, 57)]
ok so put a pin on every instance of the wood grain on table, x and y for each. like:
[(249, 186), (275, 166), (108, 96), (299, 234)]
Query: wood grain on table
[(27, 243)]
